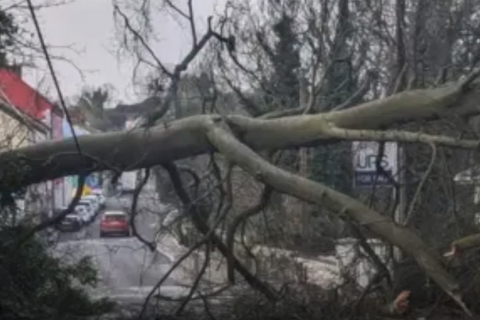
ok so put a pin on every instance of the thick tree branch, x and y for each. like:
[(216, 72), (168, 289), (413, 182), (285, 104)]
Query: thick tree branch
[(460, 245), (185, 138), (313, 192), (402, 136)]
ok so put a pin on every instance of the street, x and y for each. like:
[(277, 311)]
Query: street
[(127, 269)]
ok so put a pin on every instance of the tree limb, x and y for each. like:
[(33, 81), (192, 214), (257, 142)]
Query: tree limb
[(204, 229), (462, 244), (232, 228), (313, 192), (133, 212), (185, 137), (401, 136)]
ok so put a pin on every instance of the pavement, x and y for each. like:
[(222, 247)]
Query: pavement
[(128, 270)]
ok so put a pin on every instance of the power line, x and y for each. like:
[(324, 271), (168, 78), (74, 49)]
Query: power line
[(52, 72)]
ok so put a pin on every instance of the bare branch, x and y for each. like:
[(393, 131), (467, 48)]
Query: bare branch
[(310, 191), (204, 229), (133, 212), (232, 228), (137, 36), (403, 136)]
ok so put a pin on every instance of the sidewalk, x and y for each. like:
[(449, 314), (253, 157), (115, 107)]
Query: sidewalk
[(189, 268)]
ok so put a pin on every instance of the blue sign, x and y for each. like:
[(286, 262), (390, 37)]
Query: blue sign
[(92, 181)]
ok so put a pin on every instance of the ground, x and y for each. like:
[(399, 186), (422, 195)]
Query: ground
[(128, 270)]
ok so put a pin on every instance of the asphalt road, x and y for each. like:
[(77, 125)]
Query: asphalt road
[(127, 269)]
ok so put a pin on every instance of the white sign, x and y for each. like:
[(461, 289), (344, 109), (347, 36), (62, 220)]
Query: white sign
[(365, 163)]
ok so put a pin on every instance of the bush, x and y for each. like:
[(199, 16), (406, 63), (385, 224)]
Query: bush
[(35, 285)]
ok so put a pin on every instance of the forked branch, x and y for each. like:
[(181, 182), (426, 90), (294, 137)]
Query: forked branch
[(314, 192)]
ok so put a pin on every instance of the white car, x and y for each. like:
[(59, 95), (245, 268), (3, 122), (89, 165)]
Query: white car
[(100, 196), (89, 208), (83, 214), (94, 201)]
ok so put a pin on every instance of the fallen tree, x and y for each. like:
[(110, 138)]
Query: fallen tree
[(185, 138), (238, 138)]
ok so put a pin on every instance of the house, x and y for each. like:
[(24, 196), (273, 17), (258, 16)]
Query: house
[(27, 117)]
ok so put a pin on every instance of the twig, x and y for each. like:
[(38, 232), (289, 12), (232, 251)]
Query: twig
[(144, 43), (356, 97), (133, 212), (204, 240), (204, 229), (191, 19), (232, 228), (398, 135), (421, 184)]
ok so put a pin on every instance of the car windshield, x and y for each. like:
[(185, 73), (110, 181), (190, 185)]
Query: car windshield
[(83, 207), (84, 203), (120, 216)]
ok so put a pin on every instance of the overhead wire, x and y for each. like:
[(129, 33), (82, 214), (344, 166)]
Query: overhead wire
[(52, 72)]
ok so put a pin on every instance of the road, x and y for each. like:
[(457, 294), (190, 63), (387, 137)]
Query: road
[(127, 269)]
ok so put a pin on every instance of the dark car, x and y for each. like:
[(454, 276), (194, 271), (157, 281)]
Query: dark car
[(71, 223), (115, 223)]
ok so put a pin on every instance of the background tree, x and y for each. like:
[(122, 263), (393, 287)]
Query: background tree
[(365, 94), (8, 30), (91, 104)]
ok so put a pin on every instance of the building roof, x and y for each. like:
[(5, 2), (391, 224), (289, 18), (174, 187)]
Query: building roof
[(19, 94)]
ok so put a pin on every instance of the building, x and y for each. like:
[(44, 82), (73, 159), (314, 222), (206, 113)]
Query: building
[(57, 117), (93, 181), (27, 117)]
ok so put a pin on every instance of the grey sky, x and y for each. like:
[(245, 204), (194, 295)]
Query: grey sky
[(88, 27)]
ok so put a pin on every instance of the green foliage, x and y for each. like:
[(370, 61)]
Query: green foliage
[(286, 61), (283, 85), (35, 285), (7, 30)]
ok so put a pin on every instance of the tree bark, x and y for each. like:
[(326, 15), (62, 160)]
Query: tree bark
[(184, 138), (319, 194), (237, 138)]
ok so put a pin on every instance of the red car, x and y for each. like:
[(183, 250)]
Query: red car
[(114, 223)]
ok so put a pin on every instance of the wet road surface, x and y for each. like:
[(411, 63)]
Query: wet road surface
[(127, 268)]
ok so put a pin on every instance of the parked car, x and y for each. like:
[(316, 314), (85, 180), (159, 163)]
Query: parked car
[(115, 223), (82, 212), (89, 208), (71, 222), (101, 198), (94, 202)]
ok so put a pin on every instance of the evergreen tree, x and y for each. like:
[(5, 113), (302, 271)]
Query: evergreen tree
[(8, 30)]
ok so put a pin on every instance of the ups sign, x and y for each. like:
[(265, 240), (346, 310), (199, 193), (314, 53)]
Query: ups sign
[(365, 158)]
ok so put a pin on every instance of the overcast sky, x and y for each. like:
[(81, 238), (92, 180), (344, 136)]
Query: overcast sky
[(88, 27)]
